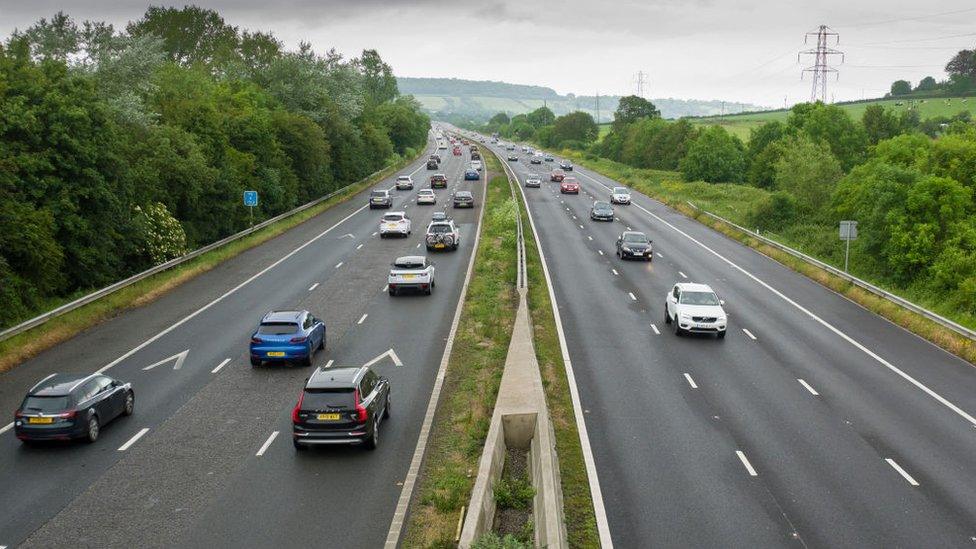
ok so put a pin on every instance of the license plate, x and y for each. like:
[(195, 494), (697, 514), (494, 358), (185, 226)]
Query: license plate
[(441, 245), (328, 417), (409, 276), (391, 226), (37, 420), (276, 353)]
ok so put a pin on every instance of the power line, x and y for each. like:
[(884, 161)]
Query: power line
[(901, 19), (921, 39), (820, 67)]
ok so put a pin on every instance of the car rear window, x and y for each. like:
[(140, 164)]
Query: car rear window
[(463, 194), (442, 228), (320, 399), (408, 264), (277, 328), (378, 193), (392, 217), (47, 404)]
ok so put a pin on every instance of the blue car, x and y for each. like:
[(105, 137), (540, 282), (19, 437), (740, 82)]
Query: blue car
[(287, 336), (471, 175)]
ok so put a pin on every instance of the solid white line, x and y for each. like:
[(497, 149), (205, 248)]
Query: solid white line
[(959, 411), (223, 296), (615, 271), (313, 286), (362, 319), (396, 525), (748, 333), (264, 447), (338, 265), (683, 275), (329, 363), (632, 296), (656, 331), (691, 381), (808, 387), (902, 472), (745, 461), (134, 438), (219, 366), (358, 247)]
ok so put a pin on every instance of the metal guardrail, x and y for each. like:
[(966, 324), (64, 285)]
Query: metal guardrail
[(522, 281), (98, 294), (938, 319)]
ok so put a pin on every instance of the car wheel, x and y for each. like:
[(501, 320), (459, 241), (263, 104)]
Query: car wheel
[(393, 292), (130, 404), (255, 361), (721, 335), (307, 361), (667, 317), (386, 408), (374, 438), (382, 235), (94, 429), (322, 343), (618, 255), (677, 327), (299, 446)]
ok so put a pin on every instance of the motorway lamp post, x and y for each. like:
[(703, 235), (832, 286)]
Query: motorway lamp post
[(848, 232), (251, 200)]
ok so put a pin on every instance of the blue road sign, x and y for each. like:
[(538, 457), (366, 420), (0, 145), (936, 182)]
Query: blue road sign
[(250, 198)]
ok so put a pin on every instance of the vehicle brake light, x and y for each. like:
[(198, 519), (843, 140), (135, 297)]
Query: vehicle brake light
[(68, 415), (18, 413), (298, 407), (301, 339), (257, 340), (360, 409)]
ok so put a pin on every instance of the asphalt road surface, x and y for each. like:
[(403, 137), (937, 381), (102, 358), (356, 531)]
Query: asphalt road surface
[(814, 423), (208, 469)]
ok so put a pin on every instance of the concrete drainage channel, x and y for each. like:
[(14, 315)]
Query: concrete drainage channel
[(520, 429)]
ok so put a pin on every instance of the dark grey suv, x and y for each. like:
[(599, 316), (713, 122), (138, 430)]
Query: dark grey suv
[(463, 199), (341, 406)]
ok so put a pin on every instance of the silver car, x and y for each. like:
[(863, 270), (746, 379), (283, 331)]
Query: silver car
[(533, 181), (620, 195)]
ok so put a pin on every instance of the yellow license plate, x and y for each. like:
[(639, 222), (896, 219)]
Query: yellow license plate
[(441, 245), (276, 353), (40, 420), (328, 417), (409, 276)]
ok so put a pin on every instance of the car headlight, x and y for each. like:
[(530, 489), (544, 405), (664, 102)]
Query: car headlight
[(626, 248), (684, 316)]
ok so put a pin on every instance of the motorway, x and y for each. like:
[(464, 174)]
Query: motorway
[(814, 423), (207, 460)]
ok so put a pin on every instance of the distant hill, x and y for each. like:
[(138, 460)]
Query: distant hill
[(452, 98)]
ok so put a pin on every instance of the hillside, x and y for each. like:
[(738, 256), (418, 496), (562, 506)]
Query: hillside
[(741, 124), (448, 97)]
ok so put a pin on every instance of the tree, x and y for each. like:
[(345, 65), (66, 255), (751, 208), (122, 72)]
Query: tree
[(56, 39), (632, 108), (541, 117), (716, 156), (901, 87), (190, 34), (807, 170), (832, 125), (880, 123), (927, 84), (671, 144), (575, 126), (499, 119), (962, 64), (379, 84), (760, 158)]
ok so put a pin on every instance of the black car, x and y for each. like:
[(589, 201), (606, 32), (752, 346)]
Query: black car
[(341, 406), (432, 164), (513, 157), (463, 199), (475, 155), (634, 244), (68, 406), (380, 199), (566, 165), (601, 211), (435, 157)]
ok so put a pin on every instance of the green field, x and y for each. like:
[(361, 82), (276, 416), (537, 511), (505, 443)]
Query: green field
[(741, 124)]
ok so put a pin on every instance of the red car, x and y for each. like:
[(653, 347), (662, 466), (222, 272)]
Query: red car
[(457, 151), (557, 176), (569, 185)]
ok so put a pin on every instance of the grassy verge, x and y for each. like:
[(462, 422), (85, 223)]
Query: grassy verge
[(23, 346), (577, 502), (472, 379), (733, 202)]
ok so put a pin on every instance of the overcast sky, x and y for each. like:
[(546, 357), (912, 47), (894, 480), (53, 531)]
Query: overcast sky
[(736, 50)]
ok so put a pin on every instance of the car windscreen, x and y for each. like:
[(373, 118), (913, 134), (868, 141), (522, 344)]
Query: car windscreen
[(378, 193), (619, 190), (635, 238), (46, 404), (321, 399), (698, 298), (601, 206), (440, 229), (277, 328), (392, 217)]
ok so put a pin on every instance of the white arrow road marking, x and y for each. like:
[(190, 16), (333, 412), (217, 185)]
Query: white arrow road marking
[(133, 440), (393, 356), (350, 235), (219, 366), (264, 447), (180, 357)]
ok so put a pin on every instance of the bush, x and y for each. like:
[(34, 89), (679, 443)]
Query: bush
[(514, 493), (774, 213), (491, 540), (716, 156)]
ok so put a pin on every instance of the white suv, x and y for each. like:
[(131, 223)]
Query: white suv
[(412, 272), (442, 235), (476, 164), (620, 195), (404, 182), (695, 308), (395, 223)]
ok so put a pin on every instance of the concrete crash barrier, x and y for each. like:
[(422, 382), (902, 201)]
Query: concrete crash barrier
[(520, 420)]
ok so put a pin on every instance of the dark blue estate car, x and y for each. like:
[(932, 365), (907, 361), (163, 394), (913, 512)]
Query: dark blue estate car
[(286, 336), (471, 175), (67, 406)]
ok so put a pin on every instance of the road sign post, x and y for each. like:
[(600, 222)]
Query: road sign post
[(848, 232), (251, 200)]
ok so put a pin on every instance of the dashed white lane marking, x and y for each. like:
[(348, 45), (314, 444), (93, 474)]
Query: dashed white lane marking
[(748, 333), (902, 472), (134, 438), (614, 271), (659, 254), (745, 461), (375, 233), (362, 319), (691, 381), (581, 226), (338, 265), (329, 363), (358, 247), (656, 331), (683, 275), (219, 366), (419, 243), (808, 387), (264, 447), (574, 217), (629, 229), (313, 286), (601, 252), (590, 237), (632, 296)]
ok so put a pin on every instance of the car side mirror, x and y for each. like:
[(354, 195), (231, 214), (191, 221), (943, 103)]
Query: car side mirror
[(116, 383), (721, 302)]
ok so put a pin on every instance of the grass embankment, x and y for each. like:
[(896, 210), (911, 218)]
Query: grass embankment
[(733, 202), (23, 346), (741, 124), (473, 376)]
